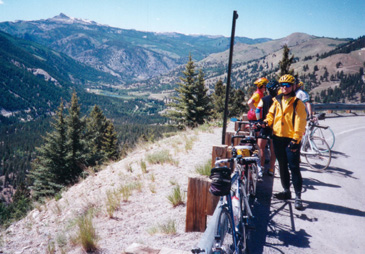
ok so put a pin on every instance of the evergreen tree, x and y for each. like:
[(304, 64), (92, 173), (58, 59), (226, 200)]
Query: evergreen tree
[(50, 169), (202, 101), (185, 109), (286, 62), (219, 97), (77, 153), (110, 142), (235, 105), (96, 125)]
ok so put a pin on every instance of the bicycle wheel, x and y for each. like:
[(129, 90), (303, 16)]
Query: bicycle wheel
[(326, 134), (317, 153), (224, 230), (243, 224)]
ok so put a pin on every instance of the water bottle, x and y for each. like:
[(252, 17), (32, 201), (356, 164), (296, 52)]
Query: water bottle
[(235, 208)]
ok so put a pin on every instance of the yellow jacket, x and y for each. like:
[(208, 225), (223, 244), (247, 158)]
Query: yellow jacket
[(280, 118)]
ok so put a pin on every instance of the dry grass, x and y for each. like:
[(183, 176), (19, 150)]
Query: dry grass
[(177, 197)]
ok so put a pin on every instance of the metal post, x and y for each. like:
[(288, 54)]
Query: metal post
[(235, 16)]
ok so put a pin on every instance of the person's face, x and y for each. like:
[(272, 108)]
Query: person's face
[(287, 88), (263, 88)]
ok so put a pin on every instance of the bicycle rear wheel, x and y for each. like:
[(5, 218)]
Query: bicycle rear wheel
[(326, 134), (317, 153), (224, 230)]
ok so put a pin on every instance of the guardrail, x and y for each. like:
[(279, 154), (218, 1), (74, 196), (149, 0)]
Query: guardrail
[(338, 106)]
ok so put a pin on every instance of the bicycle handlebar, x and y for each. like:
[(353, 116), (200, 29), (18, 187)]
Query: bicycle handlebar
[(238, 158)]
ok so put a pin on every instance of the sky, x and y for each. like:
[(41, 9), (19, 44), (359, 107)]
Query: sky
[(257, 18)]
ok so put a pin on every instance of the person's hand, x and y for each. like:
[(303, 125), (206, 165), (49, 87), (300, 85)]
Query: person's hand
[(293, 146)]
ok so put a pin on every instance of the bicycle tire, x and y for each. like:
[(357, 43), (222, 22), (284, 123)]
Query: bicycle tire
[(243, 225), (317, 153), (326, 134), (225, 229)]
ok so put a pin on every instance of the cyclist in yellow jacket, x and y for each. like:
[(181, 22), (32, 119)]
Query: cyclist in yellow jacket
[(287, 117)]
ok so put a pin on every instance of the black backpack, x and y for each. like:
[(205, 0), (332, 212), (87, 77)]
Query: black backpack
[(221, 181)]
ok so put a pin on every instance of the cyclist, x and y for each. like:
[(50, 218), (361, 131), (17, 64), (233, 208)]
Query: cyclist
[(261, 111), (255, 98), (287, 117), (304, 97)]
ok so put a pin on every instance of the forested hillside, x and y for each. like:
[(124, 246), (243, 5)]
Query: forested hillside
[(129, 55), (321, 63)]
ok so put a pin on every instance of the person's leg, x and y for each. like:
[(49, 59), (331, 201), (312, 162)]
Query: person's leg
[(293, 160), (280, 145), (262, 144), (272, 159)]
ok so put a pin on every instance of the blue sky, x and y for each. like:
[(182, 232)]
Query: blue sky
[(257, 18)]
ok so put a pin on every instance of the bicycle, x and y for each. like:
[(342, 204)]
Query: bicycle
[(250, 140), (324, 132), (232, 227), (231, 232), (315, 149)]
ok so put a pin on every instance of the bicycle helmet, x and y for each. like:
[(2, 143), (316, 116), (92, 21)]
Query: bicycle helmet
[(273, 86), (287, 78), (300, 84), (260, 82)]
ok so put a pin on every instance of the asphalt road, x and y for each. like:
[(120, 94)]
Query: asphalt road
[(333, 220)]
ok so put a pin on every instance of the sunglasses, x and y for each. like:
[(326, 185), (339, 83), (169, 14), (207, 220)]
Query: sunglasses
[(286, 84)]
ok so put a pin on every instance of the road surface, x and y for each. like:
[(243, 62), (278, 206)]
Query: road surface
[(333, 220)]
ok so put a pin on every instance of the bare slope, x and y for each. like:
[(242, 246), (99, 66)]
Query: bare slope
[(53, 224)]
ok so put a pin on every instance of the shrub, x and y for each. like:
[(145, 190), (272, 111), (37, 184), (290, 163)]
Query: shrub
[(205, 168), (177, 197), (161, 157), (86, 234)]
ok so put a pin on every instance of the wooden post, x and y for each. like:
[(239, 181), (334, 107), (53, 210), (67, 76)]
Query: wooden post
[(229, 134), (219, 151), (200, 203)]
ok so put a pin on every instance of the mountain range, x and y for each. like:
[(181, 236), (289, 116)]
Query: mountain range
[(44, 60), (129, 55)]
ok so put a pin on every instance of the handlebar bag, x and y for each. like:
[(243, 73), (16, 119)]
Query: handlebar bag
[(221, 181)]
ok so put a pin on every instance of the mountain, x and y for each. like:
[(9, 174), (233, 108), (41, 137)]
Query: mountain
[(33, 77), (321, 63), (129, 55)]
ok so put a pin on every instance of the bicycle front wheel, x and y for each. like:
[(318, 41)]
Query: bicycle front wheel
[(326, 134), (317, 153), (224, 230)]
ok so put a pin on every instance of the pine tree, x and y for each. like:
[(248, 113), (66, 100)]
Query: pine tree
[(218, 97), (202, 100), (50, 169), (186, 110), (101, 138), (110, 142), (77, 153), (286, 62), (96, 125), (235, 105)]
